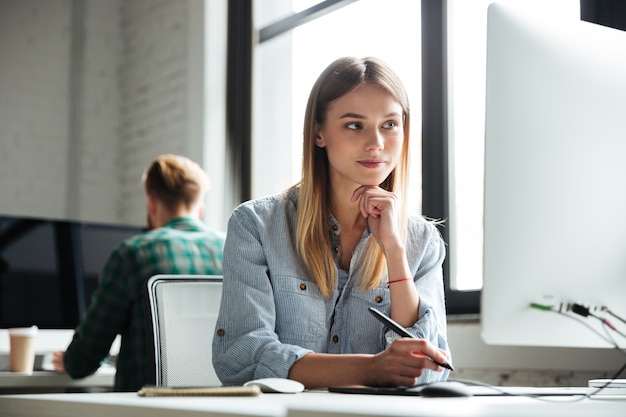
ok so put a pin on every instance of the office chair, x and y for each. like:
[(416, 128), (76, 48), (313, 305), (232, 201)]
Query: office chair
[(181, 314)]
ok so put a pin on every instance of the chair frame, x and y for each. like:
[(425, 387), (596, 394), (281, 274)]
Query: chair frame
[(153, 332)]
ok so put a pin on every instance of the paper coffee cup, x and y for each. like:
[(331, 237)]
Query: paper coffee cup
[(22, 349)]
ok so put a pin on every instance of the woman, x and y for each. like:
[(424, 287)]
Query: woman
[(301, 268)]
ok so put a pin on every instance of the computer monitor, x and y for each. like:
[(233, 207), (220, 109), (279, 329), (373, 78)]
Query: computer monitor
[(555, 182), (49, 268), (97, 242), (35, 287)]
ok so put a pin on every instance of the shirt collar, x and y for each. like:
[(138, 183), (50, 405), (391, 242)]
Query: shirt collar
[(185, 222)]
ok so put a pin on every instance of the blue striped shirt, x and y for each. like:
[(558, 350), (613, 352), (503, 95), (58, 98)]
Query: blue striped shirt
[(271, 315)]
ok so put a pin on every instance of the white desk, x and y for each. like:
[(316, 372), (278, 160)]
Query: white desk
[(50, 381), (368, 405), (307, 404), (130, 404)]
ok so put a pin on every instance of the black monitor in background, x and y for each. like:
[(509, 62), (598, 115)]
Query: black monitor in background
[(97, 241), (49, 268), (35, 284), (611, 13)]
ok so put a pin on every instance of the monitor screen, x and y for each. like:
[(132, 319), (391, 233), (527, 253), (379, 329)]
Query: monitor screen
[(97, 241), (49, 269), (31, 279), (555, 182)]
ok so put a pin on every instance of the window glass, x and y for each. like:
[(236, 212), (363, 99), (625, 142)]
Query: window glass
[(467, 34), (300, 5), (267, 12), (286, 68)]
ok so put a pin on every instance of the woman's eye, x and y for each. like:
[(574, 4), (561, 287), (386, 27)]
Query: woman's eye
[(390, 124), (354, 125)]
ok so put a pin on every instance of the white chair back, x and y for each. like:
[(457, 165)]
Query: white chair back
[(183, 310)]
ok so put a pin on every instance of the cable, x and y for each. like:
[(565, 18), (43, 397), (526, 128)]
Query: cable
[(503, 391), (604, 308), (593, 329), (606, 325), (586, 312), (549, 397), (609, 381), (606, 338), (559, 310), (542, 307), (609, 326)]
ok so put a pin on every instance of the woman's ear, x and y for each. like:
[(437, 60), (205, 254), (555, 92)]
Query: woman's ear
[(319, 140)]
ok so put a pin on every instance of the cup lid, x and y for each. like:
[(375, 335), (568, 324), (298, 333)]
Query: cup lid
[(24, 331)]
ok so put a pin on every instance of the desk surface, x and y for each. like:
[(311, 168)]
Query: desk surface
[(307, 404), (104, 378)]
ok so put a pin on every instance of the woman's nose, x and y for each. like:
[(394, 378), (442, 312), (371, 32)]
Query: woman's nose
[(375, 141)]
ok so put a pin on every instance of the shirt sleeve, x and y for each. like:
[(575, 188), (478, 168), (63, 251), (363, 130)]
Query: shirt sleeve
[(105, 318), (246, 345)]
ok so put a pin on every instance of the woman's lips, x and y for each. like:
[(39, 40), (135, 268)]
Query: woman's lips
[(369, 163)]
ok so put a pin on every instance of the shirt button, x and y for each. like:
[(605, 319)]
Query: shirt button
[(335, 339), (334, 227), (302, 286), (336, 249), (378, 299), (221, 332)]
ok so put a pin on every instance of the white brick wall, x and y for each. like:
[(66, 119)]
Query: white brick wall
[(134, 104), (34, 51), (154, 80), (100, 162)]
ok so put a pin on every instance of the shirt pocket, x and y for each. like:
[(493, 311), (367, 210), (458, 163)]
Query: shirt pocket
[(300, 310), (366, 333)]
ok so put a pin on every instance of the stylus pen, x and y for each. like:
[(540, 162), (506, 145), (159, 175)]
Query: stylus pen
[(401, 331)]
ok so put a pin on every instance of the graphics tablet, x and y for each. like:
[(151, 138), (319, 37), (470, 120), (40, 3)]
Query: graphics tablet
[(378, 390)]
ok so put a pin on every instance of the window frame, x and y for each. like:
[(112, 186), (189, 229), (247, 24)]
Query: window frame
[(460, 305)]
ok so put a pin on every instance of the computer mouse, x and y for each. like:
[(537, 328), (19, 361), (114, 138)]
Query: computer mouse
[(279, 385), (446, 389)]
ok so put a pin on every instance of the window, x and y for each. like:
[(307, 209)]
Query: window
[(467, 24), (286, 66)]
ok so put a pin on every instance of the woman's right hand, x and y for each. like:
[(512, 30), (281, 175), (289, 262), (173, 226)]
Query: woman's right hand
[(404, 361)]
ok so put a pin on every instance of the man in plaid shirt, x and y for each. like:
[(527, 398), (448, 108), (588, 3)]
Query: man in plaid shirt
[(177, 242)]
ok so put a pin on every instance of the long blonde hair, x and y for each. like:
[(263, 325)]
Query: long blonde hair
[(313, 218)]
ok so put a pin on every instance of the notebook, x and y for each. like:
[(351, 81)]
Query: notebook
[(236, 391)]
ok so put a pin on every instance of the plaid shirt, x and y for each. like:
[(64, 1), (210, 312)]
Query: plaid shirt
[(183, 246)]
